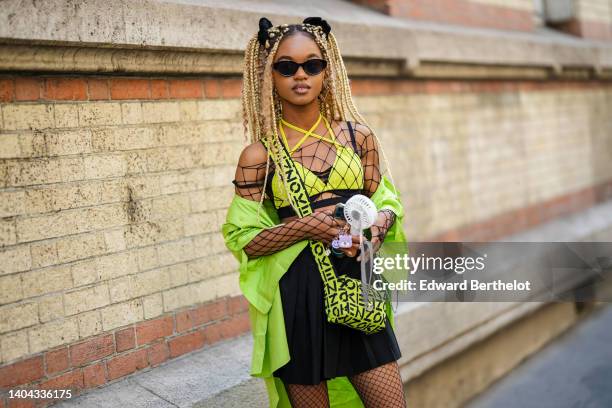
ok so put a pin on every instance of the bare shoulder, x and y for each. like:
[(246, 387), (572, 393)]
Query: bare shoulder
[(253, 154), (251, 168)]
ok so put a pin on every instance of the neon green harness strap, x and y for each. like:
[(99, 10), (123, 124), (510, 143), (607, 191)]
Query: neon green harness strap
[(344, 303)]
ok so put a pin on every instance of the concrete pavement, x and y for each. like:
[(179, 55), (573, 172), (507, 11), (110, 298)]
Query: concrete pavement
[(575, 371)]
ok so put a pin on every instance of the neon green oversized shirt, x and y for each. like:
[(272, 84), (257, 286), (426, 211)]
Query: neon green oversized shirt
[(259, 279)]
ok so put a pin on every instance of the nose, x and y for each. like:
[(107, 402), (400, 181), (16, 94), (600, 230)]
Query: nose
[(300, 73)]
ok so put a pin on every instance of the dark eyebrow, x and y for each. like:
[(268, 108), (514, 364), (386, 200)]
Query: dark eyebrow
[(310, 55)]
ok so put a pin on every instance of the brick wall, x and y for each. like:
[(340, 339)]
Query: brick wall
[(593, 18), (482, 159), (113, 191), (509, 15)]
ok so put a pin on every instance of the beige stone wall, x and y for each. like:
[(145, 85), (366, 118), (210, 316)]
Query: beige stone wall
[(527, 5), (594, 10), (110, 214), (111, 210), (461, 158)]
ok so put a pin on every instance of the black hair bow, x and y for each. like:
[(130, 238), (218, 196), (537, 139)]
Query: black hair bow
[(318, 21), (262, 35)]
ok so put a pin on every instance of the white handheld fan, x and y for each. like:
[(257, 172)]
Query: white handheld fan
[(360, 213)]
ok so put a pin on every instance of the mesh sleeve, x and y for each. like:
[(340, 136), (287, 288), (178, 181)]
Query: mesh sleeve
[(274, 239), (250, 172), (386, 218), (368, 151)]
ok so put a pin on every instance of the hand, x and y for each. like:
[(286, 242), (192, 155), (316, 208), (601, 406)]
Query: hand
[(379, 229), (352, 251), (324, 227)]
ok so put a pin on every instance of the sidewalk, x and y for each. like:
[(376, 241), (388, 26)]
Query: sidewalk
[(575, 370), (218, 376), (212, 377)]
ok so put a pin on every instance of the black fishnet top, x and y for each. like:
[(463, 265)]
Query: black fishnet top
[(359, 174)]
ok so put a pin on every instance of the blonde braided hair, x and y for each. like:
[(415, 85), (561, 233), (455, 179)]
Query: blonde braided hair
[(261, 104)]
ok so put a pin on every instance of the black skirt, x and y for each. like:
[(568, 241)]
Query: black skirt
[(321, 350)]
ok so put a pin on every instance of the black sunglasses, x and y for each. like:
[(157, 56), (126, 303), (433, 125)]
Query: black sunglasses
[(311, 67)]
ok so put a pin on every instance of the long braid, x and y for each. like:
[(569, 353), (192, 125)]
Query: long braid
[(347, 99), (271, 120), (345, 103), (250, 81)]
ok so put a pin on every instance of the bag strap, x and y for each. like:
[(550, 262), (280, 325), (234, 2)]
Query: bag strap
[(297, 194)]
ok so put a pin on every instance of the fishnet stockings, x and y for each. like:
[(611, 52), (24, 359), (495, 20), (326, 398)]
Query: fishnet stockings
[(380, 387), (306, 396), (318, 156)]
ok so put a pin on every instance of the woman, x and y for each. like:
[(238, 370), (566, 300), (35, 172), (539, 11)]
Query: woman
[(296, 92)]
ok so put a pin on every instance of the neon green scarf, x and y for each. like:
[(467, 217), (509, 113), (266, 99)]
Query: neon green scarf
[(259, 279)]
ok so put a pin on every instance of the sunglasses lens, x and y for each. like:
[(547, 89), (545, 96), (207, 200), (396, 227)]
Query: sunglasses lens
[(314, 66), (287, 68)]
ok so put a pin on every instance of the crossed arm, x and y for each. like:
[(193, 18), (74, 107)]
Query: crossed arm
[(249, 180)]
